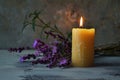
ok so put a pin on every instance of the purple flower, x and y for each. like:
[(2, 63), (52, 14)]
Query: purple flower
[(38, 44), (51, 64), (35, 43), (43, 48), (20, 49), (54, 54), (37, 53), (63, 62), (21, 59), (54, 49), (56, 42)]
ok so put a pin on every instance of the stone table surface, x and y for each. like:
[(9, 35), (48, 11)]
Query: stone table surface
[(106, 68)]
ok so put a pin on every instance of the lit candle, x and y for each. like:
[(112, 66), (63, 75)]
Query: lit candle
[(82, 46)]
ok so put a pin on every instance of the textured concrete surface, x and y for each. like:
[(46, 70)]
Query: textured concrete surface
[(103, 15), (106, 68)]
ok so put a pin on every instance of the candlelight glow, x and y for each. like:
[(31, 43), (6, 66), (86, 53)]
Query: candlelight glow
[(81, 21)]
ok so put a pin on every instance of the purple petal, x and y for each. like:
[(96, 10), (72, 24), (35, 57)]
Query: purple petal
[(37, 53), (56, 42), (35, 44), (21, 59), (63, 61), (54, 49)]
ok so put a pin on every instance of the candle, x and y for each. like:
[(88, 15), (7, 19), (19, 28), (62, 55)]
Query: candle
[(82, 46)]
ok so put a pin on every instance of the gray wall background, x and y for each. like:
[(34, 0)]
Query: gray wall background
[(104, 15)]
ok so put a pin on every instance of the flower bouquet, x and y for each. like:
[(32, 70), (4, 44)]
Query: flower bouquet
[(54, 54)]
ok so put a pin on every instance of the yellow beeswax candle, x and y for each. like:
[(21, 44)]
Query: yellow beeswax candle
[(83, 47)]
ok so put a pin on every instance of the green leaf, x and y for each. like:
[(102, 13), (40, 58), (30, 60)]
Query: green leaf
[(33, 25), (47, 36), (34, 15), (55, 27), (25, 23), (24, 26), (30, 15), (69, 35), (42, 30)]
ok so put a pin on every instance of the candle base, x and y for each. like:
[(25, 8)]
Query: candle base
[(87, 65)]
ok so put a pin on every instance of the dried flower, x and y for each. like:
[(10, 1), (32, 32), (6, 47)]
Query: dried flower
[(56, 53), (63, 62), (20, 49)]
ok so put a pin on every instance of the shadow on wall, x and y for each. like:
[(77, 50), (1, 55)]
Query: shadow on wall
[(103, 15)]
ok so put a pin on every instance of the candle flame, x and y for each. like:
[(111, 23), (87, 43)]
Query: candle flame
[(81, 22)]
